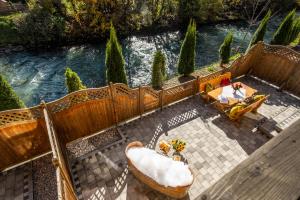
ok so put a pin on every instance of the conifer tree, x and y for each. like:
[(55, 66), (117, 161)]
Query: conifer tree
[(260, 31), (282, 34), (295, 30), (186, 63), (73, 81), (8, 97), (225, 48), (114, 60), (158, 70)]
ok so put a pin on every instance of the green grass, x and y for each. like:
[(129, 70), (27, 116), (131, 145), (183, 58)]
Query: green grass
[(8, 33)]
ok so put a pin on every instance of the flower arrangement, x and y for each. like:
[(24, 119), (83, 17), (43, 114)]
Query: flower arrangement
[(237, 86), (178, 145)]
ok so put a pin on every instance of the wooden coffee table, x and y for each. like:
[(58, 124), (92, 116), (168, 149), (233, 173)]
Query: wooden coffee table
[(214, 95)]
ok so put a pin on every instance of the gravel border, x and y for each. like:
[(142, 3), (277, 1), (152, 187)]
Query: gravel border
[(82, 147), (44, 179)]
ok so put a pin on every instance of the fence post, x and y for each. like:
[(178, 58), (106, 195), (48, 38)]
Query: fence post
[(112, 93), (196, 90), (161, 98), (141, 101)]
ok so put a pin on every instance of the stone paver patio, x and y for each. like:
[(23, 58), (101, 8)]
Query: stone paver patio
[(215, 145)]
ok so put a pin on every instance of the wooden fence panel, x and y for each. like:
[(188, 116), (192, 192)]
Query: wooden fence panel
[(22, 136), (89, 113), (176, 93), (126, 101), (151, 99), (279, 65)]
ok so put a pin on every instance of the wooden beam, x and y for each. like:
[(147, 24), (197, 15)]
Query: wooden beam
[(271, 172)]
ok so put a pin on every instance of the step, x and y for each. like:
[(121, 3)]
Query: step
[(288, 121), (268, 128), (279, 121)]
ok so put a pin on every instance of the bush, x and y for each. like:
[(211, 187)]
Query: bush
[(261, 30), (186, 63), (73, 81), (158, 70), (41, 26), (114, 60), (225, 48), (282, 35), (8, 98)]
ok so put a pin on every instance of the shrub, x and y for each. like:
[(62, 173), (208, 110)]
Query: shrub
[(261, 30), (114, 60), (225, 48), (158, 70), (282, 34), (73, 81), (186, 63), (8, 98)]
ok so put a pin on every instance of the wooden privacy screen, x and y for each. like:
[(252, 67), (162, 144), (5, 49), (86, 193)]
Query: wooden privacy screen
[(82, 113), (64, 182), (22, 135), (279, 65)]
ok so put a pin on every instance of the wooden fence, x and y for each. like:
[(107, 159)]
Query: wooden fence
[(60, 160)]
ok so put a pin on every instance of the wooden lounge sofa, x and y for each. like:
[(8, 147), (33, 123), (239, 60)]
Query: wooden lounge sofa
[(242, 110), (213, 83)]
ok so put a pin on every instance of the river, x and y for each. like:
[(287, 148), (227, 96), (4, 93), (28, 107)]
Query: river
[(36, 76)]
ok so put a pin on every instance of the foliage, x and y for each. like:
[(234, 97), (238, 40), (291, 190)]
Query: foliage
[(114, 61), (260, 31), (158, 70), (8, 98), (9, 33), (44, 24), (73, 81), (295, 30), (200, 10), (211, 68), (225, 48), (282, 35), (186, 63)]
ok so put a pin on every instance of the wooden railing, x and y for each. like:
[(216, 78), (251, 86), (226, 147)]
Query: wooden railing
[(24, 133)]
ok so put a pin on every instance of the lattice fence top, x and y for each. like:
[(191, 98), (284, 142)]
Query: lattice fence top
[(180, 88), (283, 51), (11, 116), (151, 91), (122, 89), (77, 98)]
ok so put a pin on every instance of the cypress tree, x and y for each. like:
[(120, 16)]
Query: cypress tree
[(260, 31), (158, 70), (282, 34), (295, 30), (225, 48), (186, 63), (8, 97), (73, 81), (114, 60)]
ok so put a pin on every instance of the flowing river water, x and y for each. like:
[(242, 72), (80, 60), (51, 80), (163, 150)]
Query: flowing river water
[(36, 76)]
